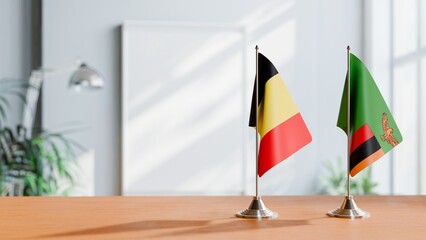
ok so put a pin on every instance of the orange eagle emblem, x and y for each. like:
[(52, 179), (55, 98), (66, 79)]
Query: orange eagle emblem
[(387, 131)]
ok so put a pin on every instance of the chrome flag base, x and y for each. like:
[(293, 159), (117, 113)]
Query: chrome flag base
[(257, 209), (348, 209)]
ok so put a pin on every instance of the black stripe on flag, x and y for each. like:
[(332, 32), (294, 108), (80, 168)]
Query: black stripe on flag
[(266, 71), (364, 150)]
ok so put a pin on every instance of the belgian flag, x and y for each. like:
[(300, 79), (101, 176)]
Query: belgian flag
[(373, 131), (281, 127)]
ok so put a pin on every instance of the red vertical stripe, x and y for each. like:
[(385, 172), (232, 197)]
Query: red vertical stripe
[(360, 136), (282, 141)]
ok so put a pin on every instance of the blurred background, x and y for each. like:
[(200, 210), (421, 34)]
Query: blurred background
[(172, 115)]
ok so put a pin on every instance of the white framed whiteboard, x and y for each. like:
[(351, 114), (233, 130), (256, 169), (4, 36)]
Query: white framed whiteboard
[(183, 116)]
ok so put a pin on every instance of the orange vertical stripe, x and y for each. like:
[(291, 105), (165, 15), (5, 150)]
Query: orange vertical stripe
[(367, 162)]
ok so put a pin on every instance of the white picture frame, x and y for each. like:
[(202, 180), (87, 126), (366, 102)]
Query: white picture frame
[(184, 115)]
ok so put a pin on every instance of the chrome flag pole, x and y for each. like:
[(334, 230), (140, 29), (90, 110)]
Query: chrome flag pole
[(348, 208), (257, 208)]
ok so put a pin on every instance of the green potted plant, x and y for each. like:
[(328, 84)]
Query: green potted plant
[(334, 180), (38, 165)]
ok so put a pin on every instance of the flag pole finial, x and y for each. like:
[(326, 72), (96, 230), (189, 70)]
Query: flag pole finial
[(348, 48)]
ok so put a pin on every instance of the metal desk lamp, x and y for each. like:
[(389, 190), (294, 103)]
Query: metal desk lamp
[(86, 77), (82, 77)]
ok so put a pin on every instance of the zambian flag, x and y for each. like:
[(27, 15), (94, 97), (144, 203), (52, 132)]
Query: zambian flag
[(373, 131), (281, 127)]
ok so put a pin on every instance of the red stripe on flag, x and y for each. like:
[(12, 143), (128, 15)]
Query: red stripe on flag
[(360, 136), (282, 141)]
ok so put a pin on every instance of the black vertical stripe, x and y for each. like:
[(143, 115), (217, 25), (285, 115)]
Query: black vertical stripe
[(266, 71), (364, 150)]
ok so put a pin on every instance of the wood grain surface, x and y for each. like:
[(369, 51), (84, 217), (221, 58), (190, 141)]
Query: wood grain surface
[(300, 217)]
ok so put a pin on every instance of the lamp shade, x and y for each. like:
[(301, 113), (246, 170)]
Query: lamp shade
[(86, 77)]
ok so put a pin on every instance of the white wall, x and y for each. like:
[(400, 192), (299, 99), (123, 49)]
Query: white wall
[(378, 58), (15, 47), (402, 170), (305, 39)]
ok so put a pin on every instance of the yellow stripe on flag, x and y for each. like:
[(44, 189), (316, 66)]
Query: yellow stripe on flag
[(277, 105)]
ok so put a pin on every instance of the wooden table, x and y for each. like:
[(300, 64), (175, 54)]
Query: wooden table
[(392, 217)]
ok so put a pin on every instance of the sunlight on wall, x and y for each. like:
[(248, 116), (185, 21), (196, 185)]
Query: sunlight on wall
[(185, 109), (185, 138)]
